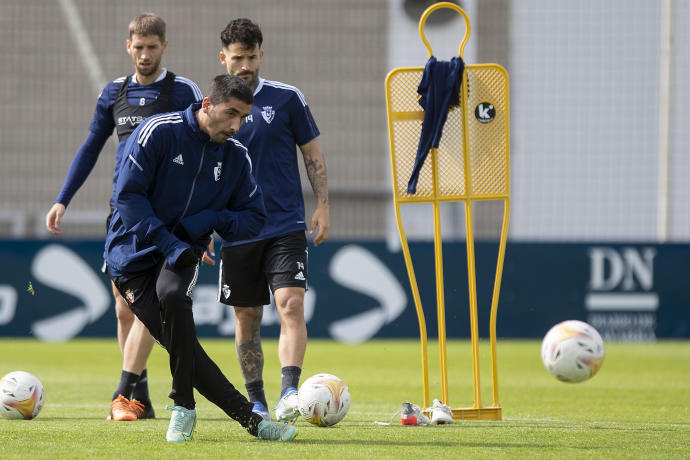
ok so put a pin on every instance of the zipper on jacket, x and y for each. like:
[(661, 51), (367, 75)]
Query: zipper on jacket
[(196, 176)]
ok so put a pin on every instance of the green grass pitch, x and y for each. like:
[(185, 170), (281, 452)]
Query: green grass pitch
[(638, 406)]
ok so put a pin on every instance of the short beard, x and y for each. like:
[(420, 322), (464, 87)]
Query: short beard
[(254, 82), (151, 71)]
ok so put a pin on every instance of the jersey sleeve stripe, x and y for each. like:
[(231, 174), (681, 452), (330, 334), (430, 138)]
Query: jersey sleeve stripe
[(246, 151), (238, 143), (195, 88), (135, 162), (220, 280), (246, 155), (277, 84), (253, 191), (154, 122), (153, 127), (147, 125)]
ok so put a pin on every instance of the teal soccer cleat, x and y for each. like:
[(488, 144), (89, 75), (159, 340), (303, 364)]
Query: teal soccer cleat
[(182, 424), (272, 431)]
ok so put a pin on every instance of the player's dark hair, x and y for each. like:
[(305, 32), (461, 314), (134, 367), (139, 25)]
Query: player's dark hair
[(225, 86), (242, 31), (148, 24)]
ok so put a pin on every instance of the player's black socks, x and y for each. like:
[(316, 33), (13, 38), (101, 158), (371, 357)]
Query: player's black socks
[(255, 391), (290, 378), (127, 382), (141, 389)]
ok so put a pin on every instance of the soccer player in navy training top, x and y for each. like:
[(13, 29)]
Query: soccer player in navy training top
[(277, 258), (182, 178), (123, 104)]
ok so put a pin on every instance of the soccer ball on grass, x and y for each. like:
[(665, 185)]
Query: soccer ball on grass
[(572, 351), (21, 396), (324, 399)]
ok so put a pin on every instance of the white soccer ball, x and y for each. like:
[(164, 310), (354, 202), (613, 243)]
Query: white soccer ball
[(21, 396), (324, 399), (572, 351)]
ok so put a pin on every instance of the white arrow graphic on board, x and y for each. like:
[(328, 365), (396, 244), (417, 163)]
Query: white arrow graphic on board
[(62, 269), (358, 269)]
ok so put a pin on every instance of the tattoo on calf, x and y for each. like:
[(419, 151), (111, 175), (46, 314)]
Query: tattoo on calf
[(251, 359)]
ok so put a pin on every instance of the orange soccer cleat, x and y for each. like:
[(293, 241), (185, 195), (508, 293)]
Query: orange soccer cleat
[(143, 410), (124, 410)]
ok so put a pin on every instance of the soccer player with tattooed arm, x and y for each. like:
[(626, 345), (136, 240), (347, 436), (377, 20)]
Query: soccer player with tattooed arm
[(276, 259)]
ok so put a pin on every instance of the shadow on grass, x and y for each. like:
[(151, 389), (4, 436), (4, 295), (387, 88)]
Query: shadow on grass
[(370, 443), (457, 427), (426, 444), (574, 426)]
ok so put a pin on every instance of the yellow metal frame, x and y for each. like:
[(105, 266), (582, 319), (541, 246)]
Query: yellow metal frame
[(498, 172)]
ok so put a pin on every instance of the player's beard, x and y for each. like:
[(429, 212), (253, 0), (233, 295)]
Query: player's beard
[(152, 69), (253, 81)]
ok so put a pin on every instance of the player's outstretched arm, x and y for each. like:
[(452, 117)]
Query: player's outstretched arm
[(82, 164), (53, 218), (316, 171)]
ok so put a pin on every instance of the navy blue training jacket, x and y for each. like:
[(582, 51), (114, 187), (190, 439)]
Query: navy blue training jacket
[(173, 176), (439, 89)]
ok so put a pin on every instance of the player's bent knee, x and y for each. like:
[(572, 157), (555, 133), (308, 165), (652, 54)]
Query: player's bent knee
[(122, 310)]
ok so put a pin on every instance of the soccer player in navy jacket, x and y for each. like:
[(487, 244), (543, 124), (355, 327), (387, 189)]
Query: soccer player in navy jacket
[(182, 178), (279, 121), (122, 105)]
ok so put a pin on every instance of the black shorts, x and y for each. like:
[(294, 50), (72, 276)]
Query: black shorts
[(248, 270)]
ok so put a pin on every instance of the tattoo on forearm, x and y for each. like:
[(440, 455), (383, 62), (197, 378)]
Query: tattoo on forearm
[(316, 171)]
